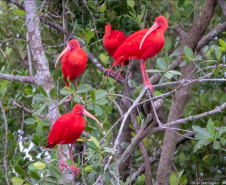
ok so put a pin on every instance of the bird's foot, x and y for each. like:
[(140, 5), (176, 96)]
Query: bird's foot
[(109, 71), (62, 166), (119, 76), (69, 99), (75, 171)]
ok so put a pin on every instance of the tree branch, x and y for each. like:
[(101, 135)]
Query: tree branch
[(26, 79), (6, 144), (223, 7)]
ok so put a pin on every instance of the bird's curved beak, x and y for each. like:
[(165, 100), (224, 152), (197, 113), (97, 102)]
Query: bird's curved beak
[(62, 53), (91, 116), (154, 26)]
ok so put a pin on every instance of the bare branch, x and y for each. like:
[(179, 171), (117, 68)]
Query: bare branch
[(29, 57), (196, 10), (6, 144), (22, 107), (223, 7), (26, 79), (210, 36), (42, 6)]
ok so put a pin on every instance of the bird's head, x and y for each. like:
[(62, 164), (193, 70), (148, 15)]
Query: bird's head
[(160, 24), (72, 45), (108, 30), (80, 110)]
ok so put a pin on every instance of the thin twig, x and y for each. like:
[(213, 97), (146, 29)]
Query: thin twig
[(94, 21), (42, 6), (26, 79), (22, 107), (6, 144), (29, 57)]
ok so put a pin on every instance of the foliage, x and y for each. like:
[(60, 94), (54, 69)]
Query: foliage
[(29, 162)]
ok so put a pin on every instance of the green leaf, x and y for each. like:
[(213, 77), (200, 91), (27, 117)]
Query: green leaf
[(110, 150), (98, 110), (173, 179), (92, 94), (167, 45), (54, 171), (222, 43), (180, 3), (175, 72), (39, 165), (197, 128), (104, 58), (34, 174), (30, 121), (89, 35), (88, 168), (95, 141), (211, 129), (65, 92), (84, 88), (216, 71), (19, 12), (39, 98), (100, 94), (92, 146), (28, 91), (131, 3), (169, 75), (161, 64), (107, 176), (53, 93), (154, 71), (216, 145), (188, 52), (20, 170), (141, 178), (101, 102), (17, 181), (198, 146), (4, 84), (103, 7), (42, 90)]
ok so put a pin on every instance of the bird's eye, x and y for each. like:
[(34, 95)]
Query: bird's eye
[(80, 109), (159, 21), (72, 44)]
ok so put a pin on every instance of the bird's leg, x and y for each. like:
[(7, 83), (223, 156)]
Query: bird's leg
[(145, 76), (62, 164), (76, 83), (142, 68), (72, 163), (119, 74), (70, 94)]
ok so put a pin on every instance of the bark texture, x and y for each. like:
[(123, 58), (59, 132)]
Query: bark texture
[(181, 97)]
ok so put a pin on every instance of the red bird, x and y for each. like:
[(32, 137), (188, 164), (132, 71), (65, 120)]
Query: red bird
[(66, 130), (142, 45), (74, 60), (114, 39)]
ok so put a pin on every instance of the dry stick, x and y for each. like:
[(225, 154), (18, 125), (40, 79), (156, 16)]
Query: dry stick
[(26, 79), (117, 141), (6, 144), (91, 13), (42, 6), (22, 107)]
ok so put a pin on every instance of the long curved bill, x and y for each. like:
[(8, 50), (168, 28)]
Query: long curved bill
[(154, 26), (62, 53), (91, 116)]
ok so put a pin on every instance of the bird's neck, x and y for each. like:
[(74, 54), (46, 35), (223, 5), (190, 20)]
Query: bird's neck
[(108, 32)]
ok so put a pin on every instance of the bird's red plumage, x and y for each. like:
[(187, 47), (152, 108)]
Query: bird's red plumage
[(73, 64), (66, 129), (114, 39)]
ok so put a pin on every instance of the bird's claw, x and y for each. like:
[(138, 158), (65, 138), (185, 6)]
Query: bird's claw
[(62, 166), (75, 171)]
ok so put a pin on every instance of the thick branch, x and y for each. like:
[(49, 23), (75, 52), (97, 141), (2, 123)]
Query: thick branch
[(6, 144), (26, 79)]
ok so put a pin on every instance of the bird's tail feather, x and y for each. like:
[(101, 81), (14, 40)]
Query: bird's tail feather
[(119, 61)]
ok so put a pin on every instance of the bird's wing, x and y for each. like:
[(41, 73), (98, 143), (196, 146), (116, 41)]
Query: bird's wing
[(60, 129)]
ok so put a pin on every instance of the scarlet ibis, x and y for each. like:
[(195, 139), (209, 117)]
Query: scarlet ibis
[(142, 45), (74, 60), (114, 39), (66, 130)]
